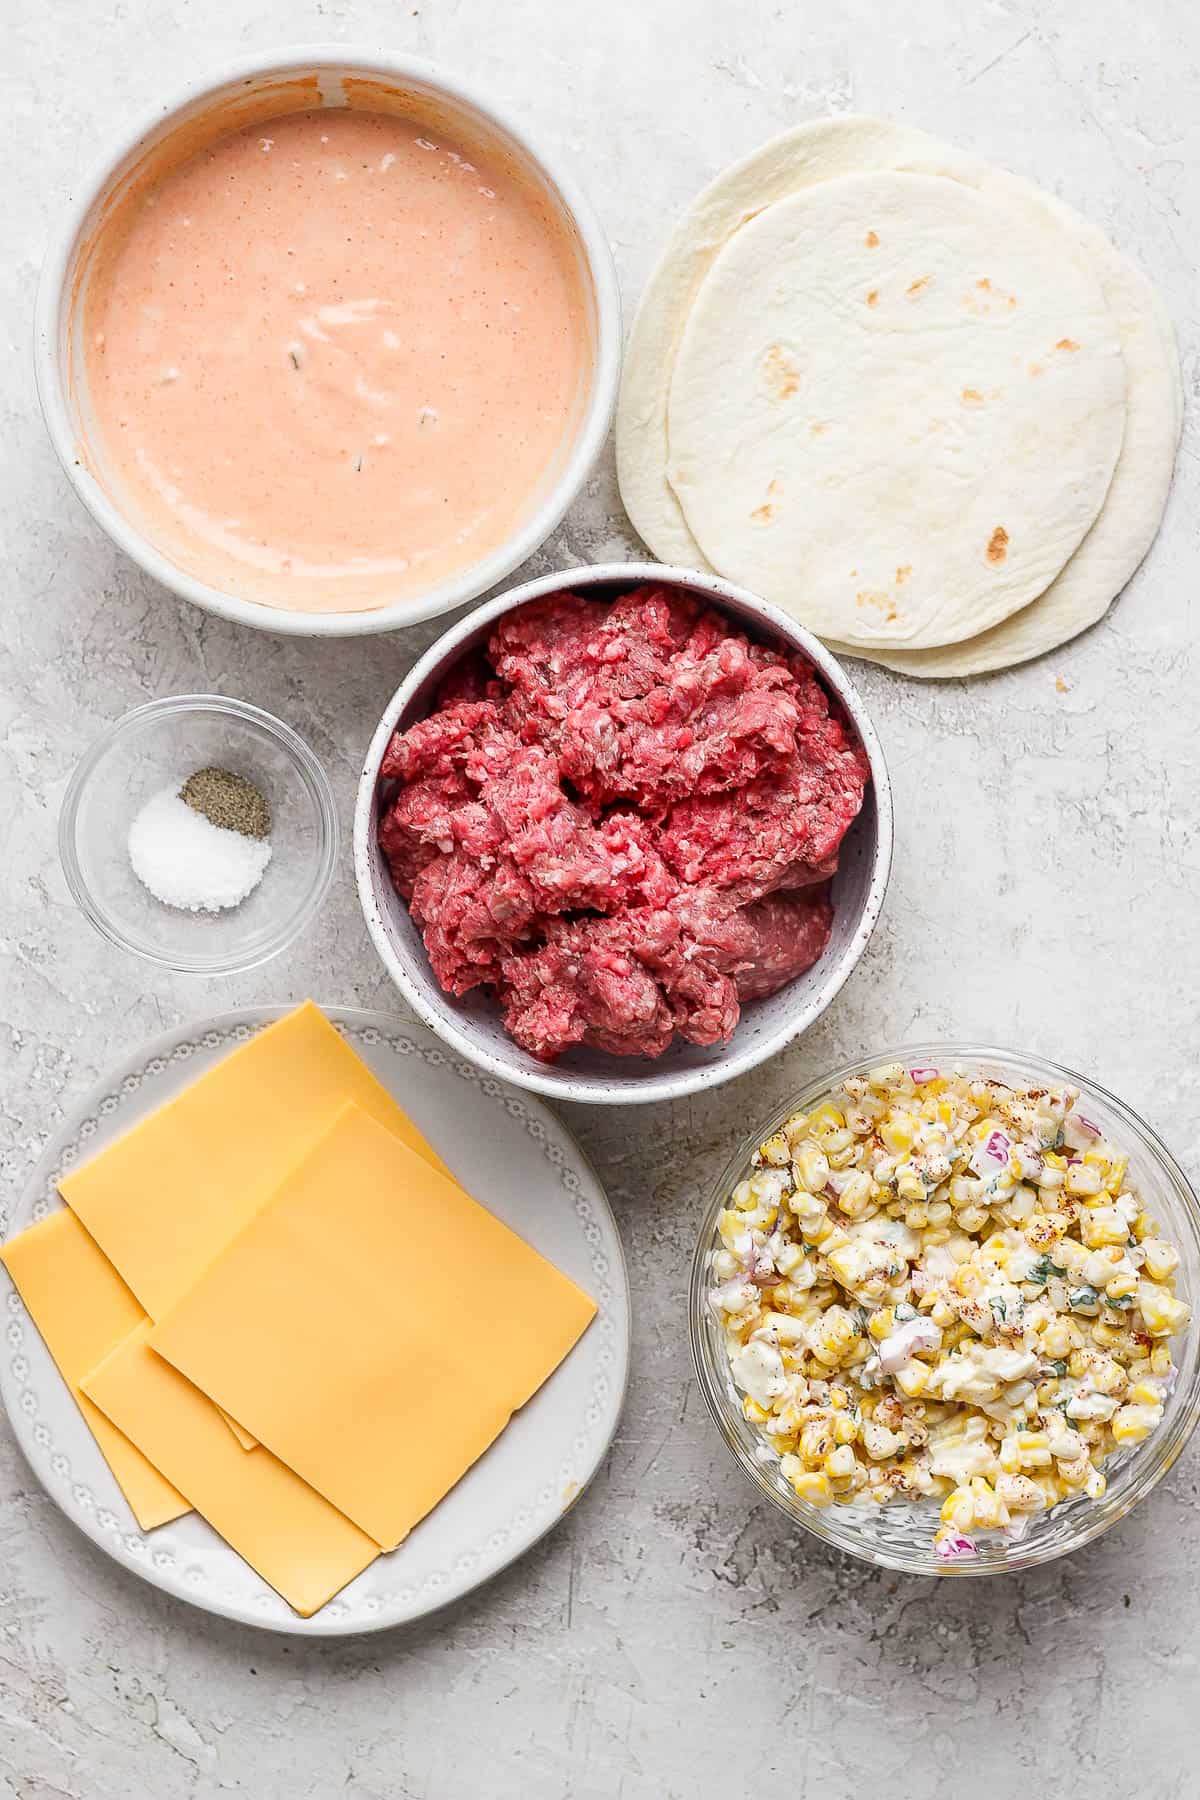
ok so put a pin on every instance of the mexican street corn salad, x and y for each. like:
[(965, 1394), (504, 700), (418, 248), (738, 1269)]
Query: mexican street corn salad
[(938, 1287)]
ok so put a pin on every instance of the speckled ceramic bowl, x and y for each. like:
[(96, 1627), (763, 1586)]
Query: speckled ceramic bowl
[(472, 1024)]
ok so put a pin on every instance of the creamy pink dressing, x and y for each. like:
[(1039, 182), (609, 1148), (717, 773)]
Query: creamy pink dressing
[(333, 359)]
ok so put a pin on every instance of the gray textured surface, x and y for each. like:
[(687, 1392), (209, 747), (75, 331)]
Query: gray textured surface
[(672, 1639)]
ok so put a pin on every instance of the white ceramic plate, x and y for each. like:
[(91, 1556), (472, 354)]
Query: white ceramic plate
[(508, 1150)]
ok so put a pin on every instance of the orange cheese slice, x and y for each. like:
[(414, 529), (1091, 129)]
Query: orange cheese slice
[(167, 1196), (83, 1310), (374, 1326), (295, 1540)]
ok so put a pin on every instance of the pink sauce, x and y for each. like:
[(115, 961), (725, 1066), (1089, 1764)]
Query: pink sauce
[(333, 359)]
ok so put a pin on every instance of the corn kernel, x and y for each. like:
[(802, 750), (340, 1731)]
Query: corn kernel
[(826, 1118), (1161, 1311), (958, 1509), (819, 1230), (1034, 1449), (1075, 1473), (776, 1152), (1122, 1283), (886, 1076), (899, 1133), (1160, 1360), (857, 1194), (845, 1429), (810, 1167), (841, 1463), (1082, 1179), (753, 1413), (1103, 1225), (878, 1442), (990, 1511), (1161, 1259), (1010, 1453), (1133, 1424), (881, 1322), (813, 1487), (912, 1378)]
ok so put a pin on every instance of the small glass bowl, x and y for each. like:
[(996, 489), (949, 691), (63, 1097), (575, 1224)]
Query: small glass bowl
[(899, 1536), (161, 743)]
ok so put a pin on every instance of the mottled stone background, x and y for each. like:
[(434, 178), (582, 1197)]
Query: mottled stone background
[(673, 1638)]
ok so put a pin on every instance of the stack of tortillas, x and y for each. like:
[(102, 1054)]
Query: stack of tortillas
[(910, 398)]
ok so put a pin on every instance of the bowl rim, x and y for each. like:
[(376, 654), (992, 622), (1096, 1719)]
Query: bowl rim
[(312, 772), (593, 426), (1158, 1453), (638, 1088)]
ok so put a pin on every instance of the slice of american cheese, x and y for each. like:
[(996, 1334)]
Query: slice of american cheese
[(374, 1326), (293, 1538), (162, 1200), (84, 1310)]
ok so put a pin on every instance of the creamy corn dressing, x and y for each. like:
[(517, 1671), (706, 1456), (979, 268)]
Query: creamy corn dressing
[(331, 359), (937, 1287)]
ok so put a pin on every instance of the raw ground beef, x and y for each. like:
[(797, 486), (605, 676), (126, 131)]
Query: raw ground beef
[(622, 820)]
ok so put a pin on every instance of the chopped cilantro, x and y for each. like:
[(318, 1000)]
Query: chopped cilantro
[(1042, 1270), (1060, 1368), (999, 1310), (1082, 1296)]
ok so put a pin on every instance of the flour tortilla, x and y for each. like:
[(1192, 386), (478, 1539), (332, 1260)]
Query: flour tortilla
[(819, 151), (1128, 521), (823, 150), (895, 409)]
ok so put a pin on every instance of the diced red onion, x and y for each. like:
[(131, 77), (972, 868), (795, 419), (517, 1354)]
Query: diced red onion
[(991, 1155), (956, 1548), (920, 1075)]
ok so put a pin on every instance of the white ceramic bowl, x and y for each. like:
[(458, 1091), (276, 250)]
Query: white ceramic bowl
[(472, 1024), (276, 81)]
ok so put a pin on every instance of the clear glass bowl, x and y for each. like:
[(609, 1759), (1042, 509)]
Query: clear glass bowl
[(163, 742), (899, 1536)]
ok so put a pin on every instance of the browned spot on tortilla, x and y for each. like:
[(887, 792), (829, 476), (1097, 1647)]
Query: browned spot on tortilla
[(818, 426), (1035, 369), (873, 297), (875, 597), (903, 573), (997, 548), (872, 239), (764, 514), (854, 574), (1061, 685), (985, 284), (972, 396), (772, 487), (916, 286), (1012, 299), (1066, 344), (782, 375)]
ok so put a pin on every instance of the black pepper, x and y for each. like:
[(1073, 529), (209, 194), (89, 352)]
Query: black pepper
[(228, 800)]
